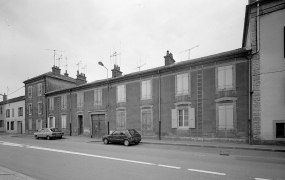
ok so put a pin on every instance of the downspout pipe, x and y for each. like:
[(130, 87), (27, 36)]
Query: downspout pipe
[(70, 114), (46, 101), (159, 106), (250, 100)]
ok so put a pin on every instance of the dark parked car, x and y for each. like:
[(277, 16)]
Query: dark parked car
[(127, 137), (48, 133)]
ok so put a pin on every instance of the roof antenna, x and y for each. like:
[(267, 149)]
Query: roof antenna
[(84, 68), (78, 65), (66, 64), (189, 51), (54, 50)]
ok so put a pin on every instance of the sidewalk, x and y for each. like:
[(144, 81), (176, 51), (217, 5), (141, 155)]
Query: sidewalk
[(7, 174)]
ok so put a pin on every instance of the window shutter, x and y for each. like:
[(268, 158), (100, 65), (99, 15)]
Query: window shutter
[(78, 99), (229, 76), (150, 89), (179, 84), (174, 118), (185, 84), (191, 117), (222, 117), (229, 117), (220, 78), (82, 99), (124, 93)]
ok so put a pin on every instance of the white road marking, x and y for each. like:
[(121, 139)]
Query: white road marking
[(209, 172), (12, 144), (174, 167), (261, 179)]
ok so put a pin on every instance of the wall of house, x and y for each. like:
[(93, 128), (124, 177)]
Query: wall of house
[(272, 66), (19, 121), (2, 117), (55, 84)]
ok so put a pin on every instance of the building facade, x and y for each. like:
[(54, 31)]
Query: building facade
[(264, 33), (205, 98), (15, 115), (2, 113), (35, 89)]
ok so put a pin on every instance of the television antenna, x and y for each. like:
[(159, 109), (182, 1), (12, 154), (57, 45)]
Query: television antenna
[(78, 65), (84, 68), (189, 51), (54, 52), (66, 64), (114, 56)]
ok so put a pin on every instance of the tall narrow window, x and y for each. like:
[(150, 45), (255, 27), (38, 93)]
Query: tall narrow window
[(226, 116), (146, 92), (225, 77), (30, 91), (20, 111), (64, 101), (147, 120), (40, 87), (121, 93), (121, 120), (1, 123), (98, 97), (7, 113), (39, 124), (12, 125), (51, 103), (40, 107), (8, 128), (182, 84), (30, 108), (12, 112), (30, 124), (80, 99), (1, 110), (183, 119), (63, 121)]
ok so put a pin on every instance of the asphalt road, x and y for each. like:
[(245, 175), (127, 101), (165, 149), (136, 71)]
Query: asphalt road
[(61, 159)]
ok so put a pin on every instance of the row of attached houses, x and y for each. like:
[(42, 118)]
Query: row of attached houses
[(235, 96)]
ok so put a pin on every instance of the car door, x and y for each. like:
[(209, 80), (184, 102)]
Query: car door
[(121, 137), (114, 137)]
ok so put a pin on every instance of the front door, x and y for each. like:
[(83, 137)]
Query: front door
[(19, 127), (80, 124), (98, 125)]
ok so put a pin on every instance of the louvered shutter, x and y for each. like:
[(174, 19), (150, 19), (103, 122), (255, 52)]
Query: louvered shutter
[(174, 118)]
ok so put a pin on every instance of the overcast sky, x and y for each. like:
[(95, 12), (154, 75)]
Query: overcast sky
[(89, 31)]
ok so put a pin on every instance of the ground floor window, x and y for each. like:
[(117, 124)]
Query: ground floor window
[(225, 116), (1, 123), (121, 120), (30, 124), (51, 122), (183, 117), (147, 120), (8, 125), (12, 125), (39, 124), (63, 121), (280, 130)]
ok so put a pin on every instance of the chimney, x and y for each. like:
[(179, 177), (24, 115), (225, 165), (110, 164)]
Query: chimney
[(168, 59), (80, 79), (55, 70), (4, 97), (66, 74), (116, 71)]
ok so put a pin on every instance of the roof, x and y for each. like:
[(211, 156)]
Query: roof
[(199, 61), (16, 99), (50, 74)]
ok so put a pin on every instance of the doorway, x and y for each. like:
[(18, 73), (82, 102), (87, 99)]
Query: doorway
[(98, 125), (19, 127), (80, 124)]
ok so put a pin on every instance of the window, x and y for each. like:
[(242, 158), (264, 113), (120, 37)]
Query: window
[(30, 91), (147, 120), (80, 99), (30, 124), (98, 97), (1, 110), (7, 113), (226, 116), (39, 124), (225, 77), (12, 125), (64, 101), (51, 122), (30, 108), (183, 120), (280, 130), (121, 120), (40, 107), (8, 125), (1, 123), (146, 92), (121, 93), (51, 103), (20, 111), (182, 84), (13, 112), (40, 87), (63, 121)]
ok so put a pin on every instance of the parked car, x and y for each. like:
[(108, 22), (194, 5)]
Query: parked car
[(48, 133), (126, 137)]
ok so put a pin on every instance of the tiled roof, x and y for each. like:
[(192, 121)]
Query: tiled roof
[(50, 74), (16, 99)]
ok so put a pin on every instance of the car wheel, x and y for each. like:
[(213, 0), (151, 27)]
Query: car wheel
[(126, 142), (48, 138), (106, 141), (36, 137)]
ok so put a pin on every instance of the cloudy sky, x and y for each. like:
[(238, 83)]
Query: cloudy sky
[(88, 31)]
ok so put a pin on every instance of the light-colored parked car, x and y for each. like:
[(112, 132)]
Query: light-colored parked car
[(48, 133)]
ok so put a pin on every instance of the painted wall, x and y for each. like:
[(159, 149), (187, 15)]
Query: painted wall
[(272, 64), (19, 121)]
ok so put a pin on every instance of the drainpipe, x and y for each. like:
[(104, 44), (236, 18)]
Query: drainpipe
[(108, 113), (250, 101), (159, 107), (46, 102), (70, 127)]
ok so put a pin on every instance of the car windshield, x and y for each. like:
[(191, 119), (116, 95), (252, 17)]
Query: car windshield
[(133, 132), (55, 130)]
